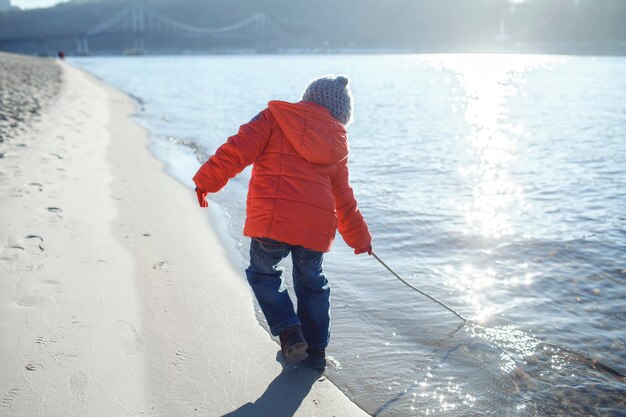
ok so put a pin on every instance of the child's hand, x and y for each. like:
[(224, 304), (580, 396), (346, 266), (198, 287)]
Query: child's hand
[(202, 198), (367, 249)]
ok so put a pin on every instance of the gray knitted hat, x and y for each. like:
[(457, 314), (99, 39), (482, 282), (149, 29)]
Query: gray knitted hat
[(333, 93)]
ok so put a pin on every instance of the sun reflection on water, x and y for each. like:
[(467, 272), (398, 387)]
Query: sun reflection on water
[(490, 203), (473, 283), (492, 146), (492, 200), (484, 84)]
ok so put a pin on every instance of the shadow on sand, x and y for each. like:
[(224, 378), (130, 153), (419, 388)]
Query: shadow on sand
[(283, 396)]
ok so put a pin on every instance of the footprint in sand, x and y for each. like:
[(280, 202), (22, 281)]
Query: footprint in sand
[(78, 388), (9, 254), (182, 356), (9, 397), (78, 385), (33, 366), (14, 249), (46, 341), (161, 266), (32, 291), (36, 238), (17, 192), (36, 184), (27, 244), (127, 334)]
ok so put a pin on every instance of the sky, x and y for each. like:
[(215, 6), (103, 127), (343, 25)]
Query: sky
[(30, 4)]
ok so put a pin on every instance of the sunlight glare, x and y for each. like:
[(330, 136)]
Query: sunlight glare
[(487, 83)]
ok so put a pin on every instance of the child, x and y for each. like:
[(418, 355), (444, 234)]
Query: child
[(299, 194)]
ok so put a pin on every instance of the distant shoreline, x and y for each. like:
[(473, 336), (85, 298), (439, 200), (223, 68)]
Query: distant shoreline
[(618, 49)]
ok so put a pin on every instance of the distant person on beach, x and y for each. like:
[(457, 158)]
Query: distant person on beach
[(61, 55), (299, 194)]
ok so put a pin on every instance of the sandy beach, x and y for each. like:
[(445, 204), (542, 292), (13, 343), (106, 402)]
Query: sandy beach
[(116, 296), (26, 87)]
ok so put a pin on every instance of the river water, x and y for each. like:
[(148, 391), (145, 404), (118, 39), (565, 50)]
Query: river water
[(496, 183)]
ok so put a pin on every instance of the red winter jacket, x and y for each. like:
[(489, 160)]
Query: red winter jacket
[(299, 192)]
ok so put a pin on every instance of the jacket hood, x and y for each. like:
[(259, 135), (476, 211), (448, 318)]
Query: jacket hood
[(312, 131)]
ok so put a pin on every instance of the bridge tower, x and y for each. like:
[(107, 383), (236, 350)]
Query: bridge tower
[(138, 19), (82, 46), (261, 33)]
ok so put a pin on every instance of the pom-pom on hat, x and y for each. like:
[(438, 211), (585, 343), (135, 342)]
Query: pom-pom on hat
[(333, 93)]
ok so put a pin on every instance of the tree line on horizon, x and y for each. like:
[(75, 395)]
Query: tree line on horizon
[(361, 23)]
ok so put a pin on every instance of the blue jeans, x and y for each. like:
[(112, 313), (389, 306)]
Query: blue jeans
[(309, 283)]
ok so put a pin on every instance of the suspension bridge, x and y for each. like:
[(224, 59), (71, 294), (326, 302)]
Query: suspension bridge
[(138, 27), (137, 22)]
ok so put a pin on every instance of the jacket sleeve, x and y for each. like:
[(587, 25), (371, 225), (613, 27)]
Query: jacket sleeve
[(352, 226), (238, 152)]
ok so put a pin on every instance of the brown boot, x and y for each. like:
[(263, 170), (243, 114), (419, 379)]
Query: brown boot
[(316, 359), (292, 345)]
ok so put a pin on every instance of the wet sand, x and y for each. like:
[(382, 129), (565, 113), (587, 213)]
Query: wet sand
[(116, 296)]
